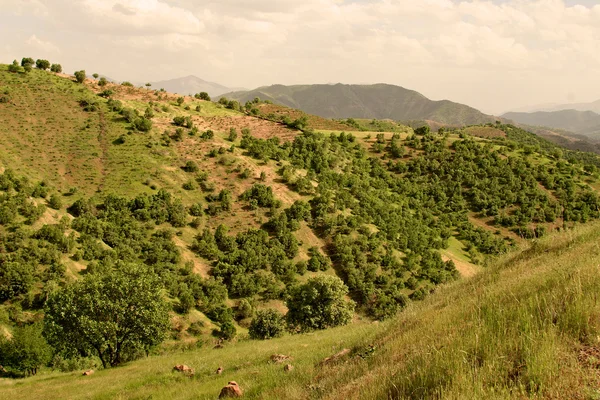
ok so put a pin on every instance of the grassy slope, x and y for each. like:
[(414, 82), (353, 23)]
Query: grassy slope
[(526, 327)]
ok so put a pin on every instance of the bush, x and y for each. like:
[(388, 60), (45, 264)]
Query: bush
[(142, 124), (190, 166), (80, 76), (57, 68), (102, 82), (14, 67), (55, 202), (267, 324)]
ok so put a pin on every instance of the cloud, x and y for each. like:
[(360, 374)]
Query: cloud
[(40, 45), (527, 50)]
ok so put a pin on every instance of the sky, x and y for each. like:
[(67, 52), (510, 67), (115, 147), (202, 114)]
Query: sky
[(495, 55)]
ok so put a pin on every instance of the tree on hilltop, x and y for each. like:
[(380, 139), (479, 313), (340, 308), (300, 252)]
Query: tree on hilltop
[(27, 61), (14, 67), (42, 64), (80, 76), (57, 68)]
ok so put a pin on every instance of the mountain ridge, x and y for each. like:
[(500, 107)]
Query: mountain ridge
[(580, 122), (376, 101)]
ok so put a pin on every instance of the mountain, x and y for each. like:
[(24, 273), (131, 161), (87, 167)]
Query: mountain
[(379, 101), (579, 122), (190, 85), (591, 106)]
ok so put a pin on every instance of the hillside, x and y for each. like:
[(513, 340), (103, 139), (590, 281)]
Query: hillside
[(580, 122), (248, 223), (380, 101), (190, 85), (524, 328)]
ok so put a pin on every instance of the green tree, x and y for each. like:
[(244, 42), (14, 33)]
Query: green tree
[(80, 76), (57, 68), (319, 304), (115, 315), (27, 61), (42, 64), (26, 351), (14, 67), (95, 75), (180, 101), (102, 81), (202, 96), (267, 324)]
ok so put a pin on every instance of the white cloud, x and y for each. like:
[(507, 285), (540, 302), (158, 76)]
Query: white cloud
[(521, 51), (42, 46)]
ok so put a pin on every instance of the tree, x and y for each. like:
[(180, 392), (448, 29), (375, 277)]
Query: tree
[(42, 64), (102, 81), (114, 315), (202, 96), (319, 304), (180, 101), (27, 61), (26, 351), (148, 85), (267, 324), (14, 67), (57, 68), (80, 76)]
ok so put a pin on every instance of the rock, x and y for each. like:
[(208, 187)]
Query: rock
[(188, 371), (88, 372), (288, 367), (231, 390), (219, 370), (335, 357), (279, 358)]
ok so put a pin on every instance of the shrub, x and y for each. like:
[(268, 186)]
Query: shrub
[(102, 82), (55, 202), (57, 68), (80, 76), (14, 67), (143, 124), (106, 93), (267, 324), (190, 166)]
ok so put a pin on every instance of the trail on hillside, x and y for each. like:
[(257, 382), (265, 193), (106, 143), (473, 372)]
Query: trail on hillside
[(103, 141)]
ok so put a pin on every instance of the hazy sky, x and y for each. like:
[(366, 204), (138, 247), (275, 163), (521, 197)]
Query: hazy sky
[(494, 55)]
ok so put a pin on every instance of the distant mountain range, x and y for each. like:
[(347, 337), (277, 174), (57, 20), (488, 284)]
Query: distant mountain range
[(592, 106), (580, 122), (379, 101), (191, 84)]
